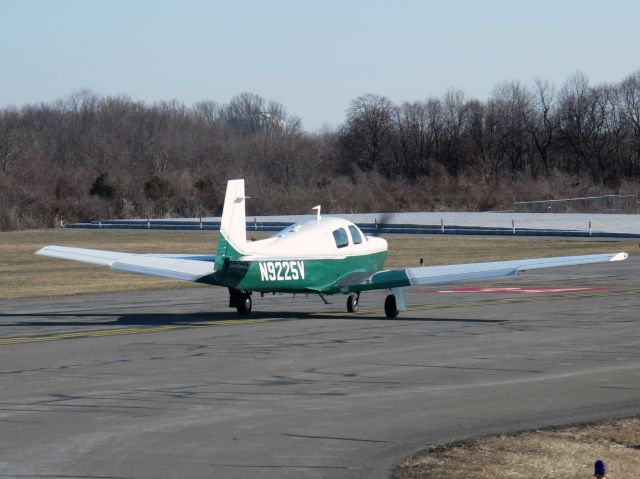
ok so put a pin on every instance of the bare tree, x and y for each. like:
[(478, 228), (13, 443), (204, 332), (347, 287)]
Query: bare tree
[(246, 113), (484, 132), (419, 126), (209, 112), (543, 121), (514, 101), (367, 134), (452, 154), (630, 91), (11, 138)]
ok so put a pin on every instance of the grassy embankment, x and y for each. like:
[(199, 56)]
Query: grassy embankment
[(24, 275), (567, 453)]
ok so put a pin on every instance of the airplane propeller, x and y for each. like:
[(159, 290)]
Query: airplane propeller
[(381, 223)]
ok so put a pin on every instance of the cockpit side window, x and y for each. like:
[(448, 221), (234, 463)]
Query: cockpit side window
[(340, 235), (355, 235)]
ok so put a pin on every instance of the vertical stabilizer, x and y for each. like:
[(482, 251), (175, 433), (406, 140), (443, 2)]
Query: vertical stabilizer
[(233, 227)]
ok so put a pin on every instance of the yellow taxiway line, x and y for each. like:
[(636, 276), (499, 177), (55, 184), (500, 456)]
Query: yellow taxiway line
[(239, 322), (126, 331)]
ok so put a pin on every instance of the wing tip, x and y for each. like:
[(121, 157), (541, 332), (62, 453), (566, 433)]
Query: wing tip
[(620, 256), (43, 251)]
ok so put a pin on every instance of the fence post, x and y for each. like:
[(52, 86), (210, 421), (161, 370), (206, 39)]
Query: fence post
[(620, 203)]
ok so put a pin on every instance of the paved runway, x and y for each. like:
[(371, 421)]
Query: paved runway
[(173, 384)]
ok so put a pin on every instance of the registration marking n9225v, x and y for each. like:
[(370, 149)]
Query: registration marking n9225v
[(281, 270)]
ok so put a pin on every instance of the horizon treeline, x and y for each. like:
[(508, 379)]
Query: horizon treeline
[(87, 156)]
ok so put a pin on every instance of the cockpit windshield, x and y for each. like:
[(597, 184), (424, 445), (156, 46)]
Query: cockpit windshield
[(355, 234), (341, 238), (294, 228)]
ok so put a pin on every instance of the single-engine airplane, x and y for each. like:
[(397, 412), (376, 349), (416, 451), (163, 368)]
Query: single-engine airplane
[(322, 255)]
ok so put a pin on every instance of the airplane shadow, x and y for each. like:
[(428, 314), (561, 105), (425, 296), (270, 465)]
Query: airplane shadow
[(165, 319)]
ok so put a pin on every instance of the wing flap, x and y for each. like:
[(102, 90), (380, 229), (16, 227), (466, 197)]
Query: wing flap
[(401, 277), (93, 256), (185, 267), (173, 268)]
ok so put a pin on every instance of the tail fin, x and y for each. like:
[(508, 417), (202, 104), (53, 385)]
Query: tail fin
[(233, 227)]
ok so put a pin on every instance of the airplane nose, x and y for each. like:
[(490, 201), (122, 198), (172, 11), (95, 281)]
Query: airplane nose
[(379, 242)]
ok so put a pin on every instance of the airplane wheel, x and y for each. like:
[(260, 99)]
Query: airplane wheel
[(244, 305), (352, 303), (390, 308)]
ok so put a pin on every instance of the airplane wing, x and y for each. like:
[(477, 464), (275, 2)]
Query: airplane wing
[(401, 277), (186, 267)]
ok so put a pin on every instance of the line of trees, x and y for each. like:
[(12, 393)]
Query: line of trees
[(87, 156), (578, 129)]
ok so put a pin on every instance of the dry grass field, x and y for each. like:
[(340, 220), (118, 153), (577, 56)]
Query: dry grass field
[(24, 275), (567, 453)]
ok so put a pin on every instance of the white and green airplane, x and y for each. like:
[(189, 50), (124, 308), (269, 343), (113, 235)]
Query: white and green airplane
[(322, 255)]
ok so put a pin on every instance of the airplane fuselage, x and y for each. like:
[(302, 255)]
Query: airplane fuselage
[(312, 256), (299, 275)]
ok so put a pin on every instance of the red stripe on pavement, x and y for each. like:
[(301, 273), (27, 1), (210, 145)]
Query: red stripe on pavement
[(519, 290)]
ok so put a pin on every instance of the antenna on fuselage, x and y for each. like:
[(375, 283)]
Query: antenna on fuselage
[(318, 214)]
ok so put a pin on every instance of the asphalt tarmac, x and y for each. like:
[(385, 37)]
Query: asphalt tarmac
[(173, 384)]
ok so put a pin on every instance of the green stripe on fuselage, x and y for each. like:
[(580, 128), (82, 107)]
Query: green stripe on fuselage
[(297, 275)]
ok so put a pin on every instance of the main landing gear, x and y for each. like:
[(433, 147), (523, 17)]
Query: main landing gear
[(241, 300), (393, 304), (352, 303), (390, 307)]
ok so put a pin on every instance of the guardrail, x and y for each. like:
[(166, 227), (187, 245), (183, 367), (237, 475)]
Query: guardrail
[(606, 203), (367, 228)]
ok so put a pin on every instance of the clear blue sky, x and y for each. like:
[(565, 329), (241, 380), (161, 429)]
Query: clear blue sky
[(314, 57)]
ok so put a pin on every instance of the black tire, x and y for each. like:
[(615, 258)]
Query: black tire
[(352, 303), (390, 308), (244, 305)]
